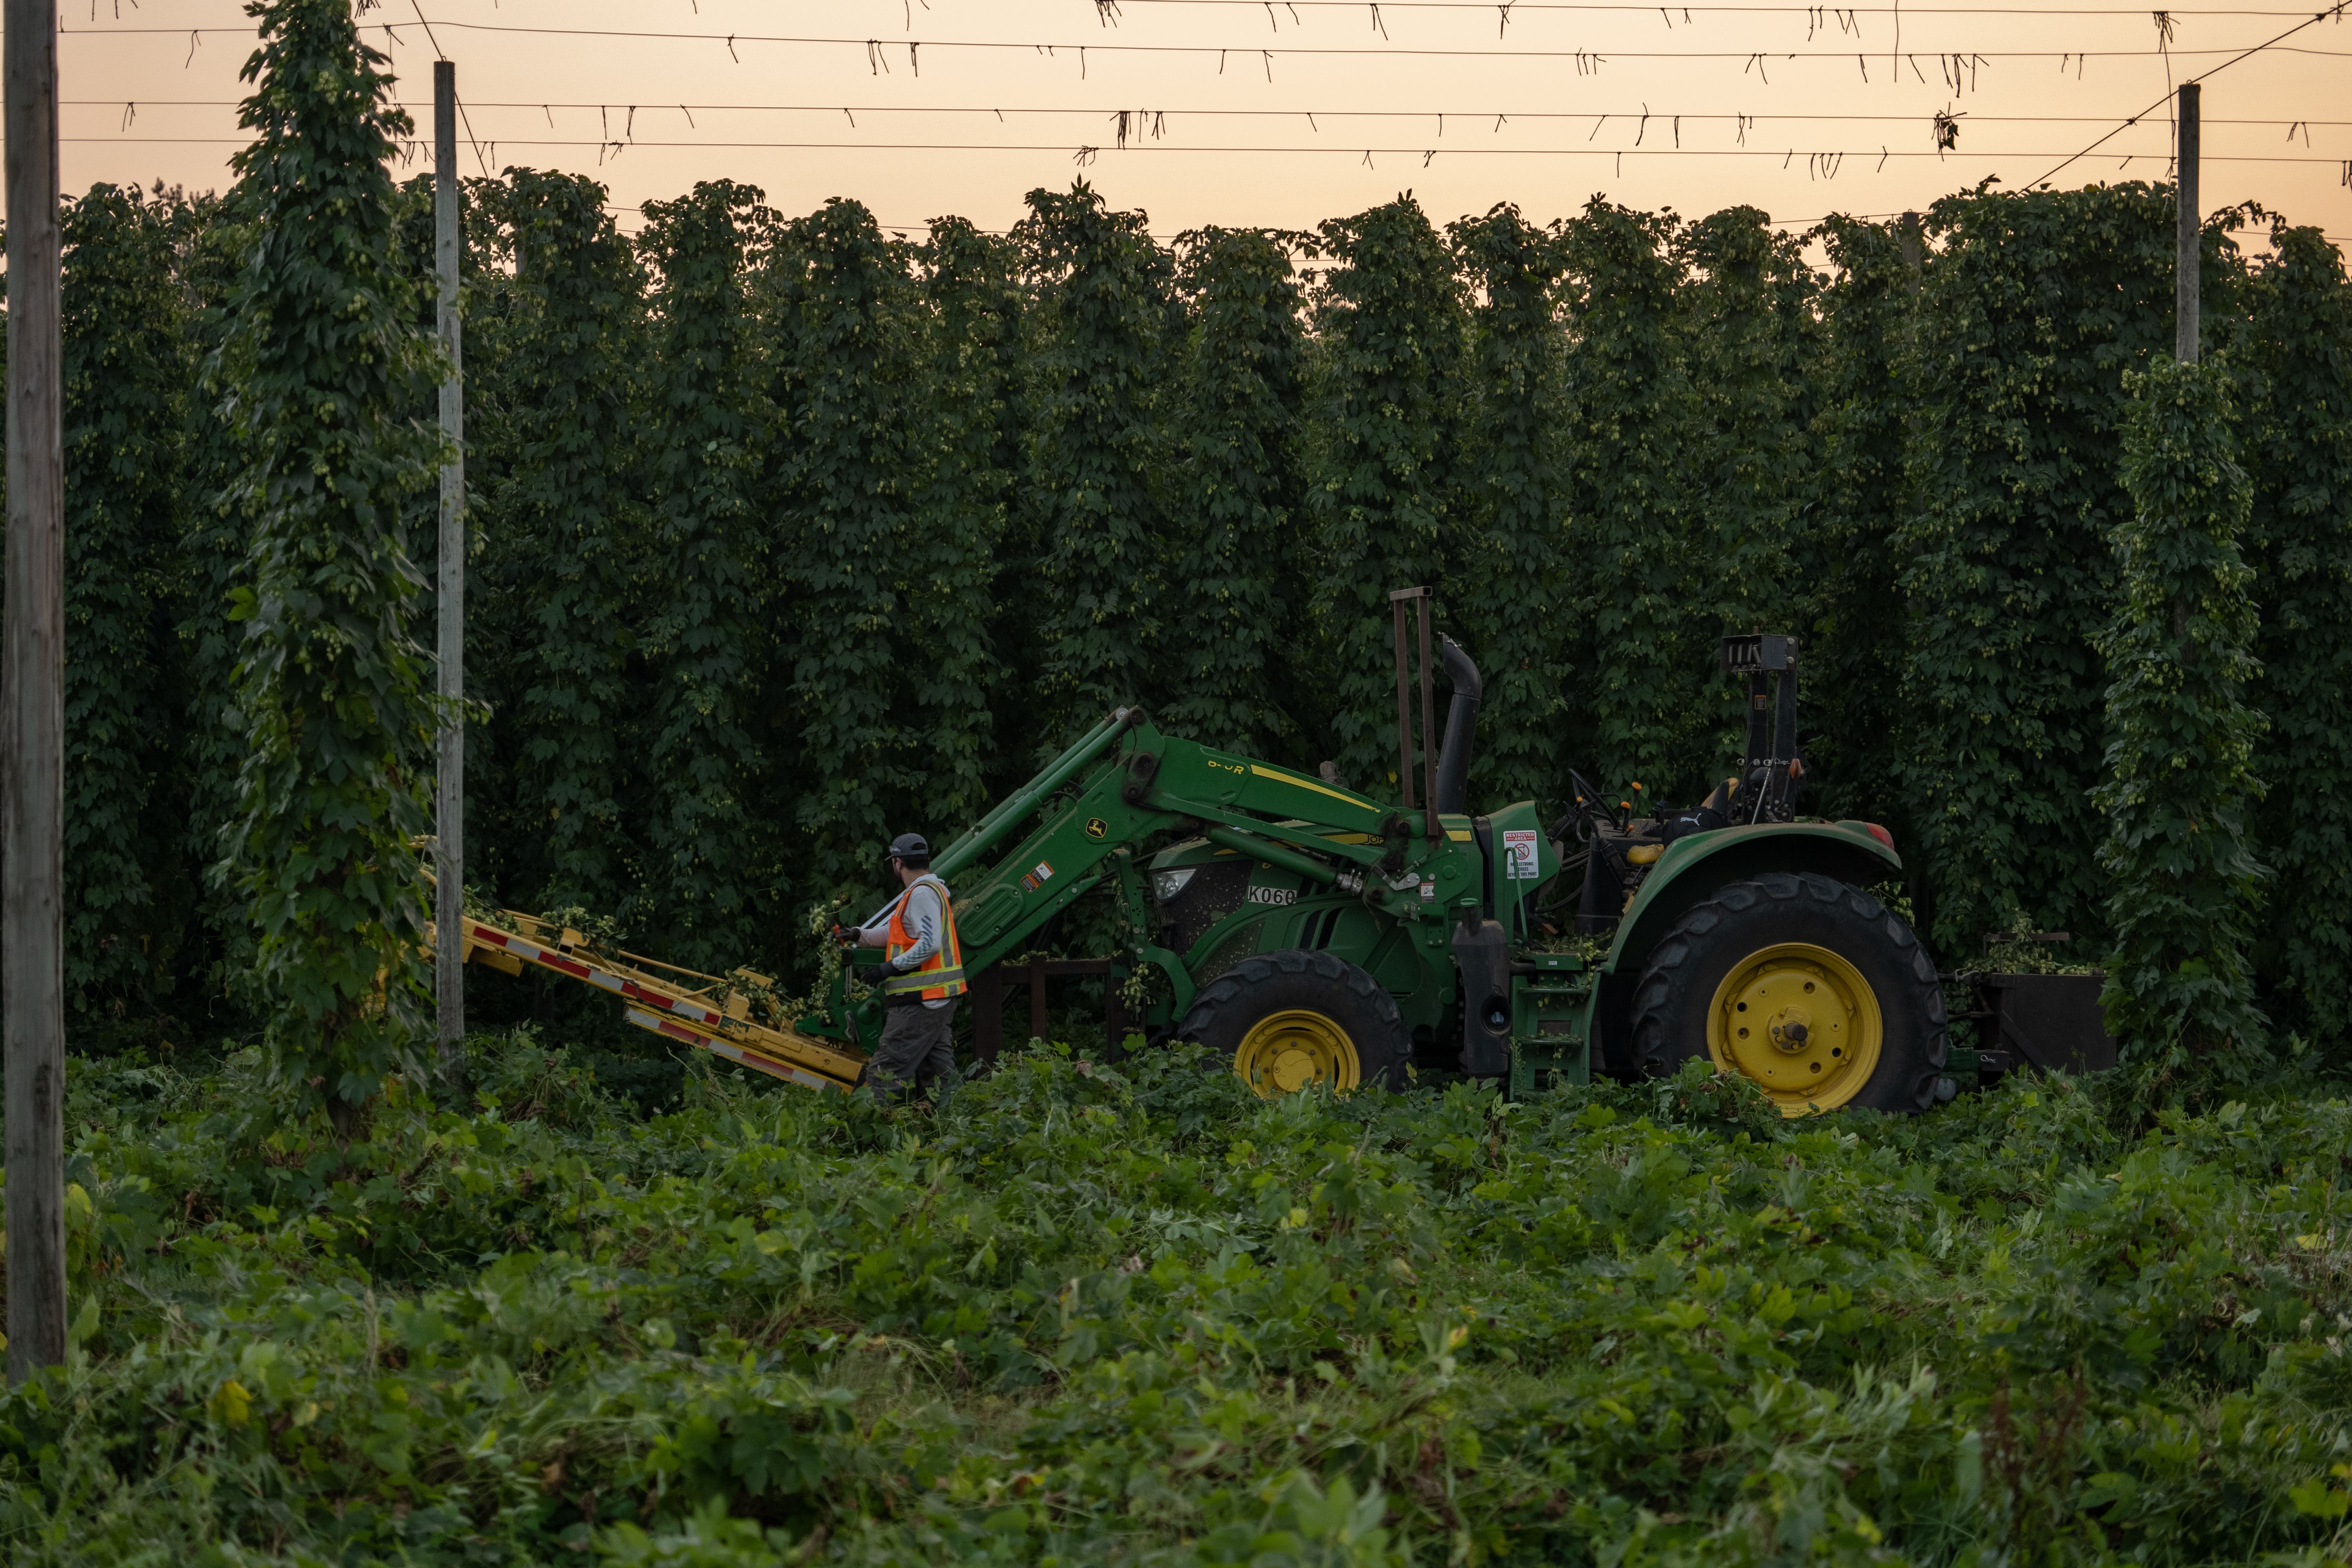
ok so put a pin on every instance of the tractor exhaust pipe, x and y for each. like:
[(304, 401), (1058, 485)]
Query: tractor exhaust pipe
[(1452, 791)]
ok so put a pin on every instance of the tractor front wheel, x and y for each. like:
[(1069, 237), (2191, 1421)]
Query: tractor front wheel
[(1810, 987), (1287, 1020)]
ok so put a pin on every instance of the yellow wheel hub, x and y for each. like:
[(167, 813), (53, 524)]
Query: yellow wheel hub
[(1801, 1022), (1290, 1050)]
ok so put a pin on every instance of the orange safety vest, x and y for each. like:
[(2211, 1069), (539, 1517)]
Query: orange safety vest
[(941, 974)]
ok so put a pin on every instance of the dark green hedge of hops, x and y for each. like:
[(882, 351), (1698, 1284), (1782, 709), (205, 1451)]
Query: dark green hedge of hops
[(1516, 585), (217, 523), (978, 285), (969, 428), (2029, 312), (556, 478), (709, 863), (2296, 358), (1748, 312), (1387, 423), (125, 448), (2180, 785), (843, 333), (1847, 555), (1237, 493), (1629, 405), (333, 689), (1097, 381)]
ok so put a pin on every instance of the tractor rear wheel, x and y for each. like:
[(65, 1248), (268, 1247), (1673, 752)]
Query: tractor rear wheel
[(1810, 987), (1287, 1020)]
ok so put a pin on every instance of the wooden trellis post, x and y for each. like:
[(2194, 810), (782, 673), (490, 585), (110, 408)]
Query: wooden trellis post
[(449, 825), (32, 709)]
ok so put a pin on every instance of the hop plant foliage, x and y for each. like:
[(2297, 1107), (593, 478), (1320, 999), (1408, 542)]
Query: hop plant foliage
[(1848, 556), (967, 329), (1517, 581), (841, 308), (2297, 355), (564, 505), (1749, 319), (331, 688), (981, 306), (1629, 406), (126, 387), (1097, 376), (704, 637), (1238, 491), (2032, 306), (1388, 398), (217, 525), (2181, 735)]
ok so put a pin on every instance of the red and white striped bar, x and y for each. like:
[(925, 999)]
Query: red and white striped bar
[(734, 1053), (533, 953)]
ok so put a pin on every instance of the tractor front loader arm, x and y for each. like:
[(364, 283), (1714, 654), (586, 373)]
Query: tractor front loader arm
[(1100, 801), (1083, 818)]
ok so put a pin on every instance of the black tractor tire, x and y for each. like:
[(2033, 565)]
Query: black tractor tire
[(1259, 988), (1691, 965)]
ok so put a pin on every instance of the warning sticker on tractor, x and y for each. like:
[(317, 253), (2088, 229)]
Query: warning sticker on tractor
[(1519, 854), (1039, 875)]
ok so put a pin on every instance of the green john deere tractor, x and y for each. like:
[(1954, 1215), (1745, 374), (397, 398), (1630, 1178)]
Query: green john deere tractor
[(1312, 933)]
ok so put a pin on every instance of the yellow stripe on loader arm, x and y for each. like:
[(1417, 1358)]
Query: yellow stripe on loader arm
[(714, 1016)]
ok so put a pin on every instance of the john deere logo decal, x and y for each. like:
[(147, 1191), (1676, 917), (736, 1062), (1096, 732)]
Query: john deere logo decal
[(1096, 827)]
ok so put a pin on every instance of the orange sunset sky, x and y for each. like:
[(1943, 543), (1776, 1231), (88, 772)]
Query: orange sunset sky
[(1278, 114)]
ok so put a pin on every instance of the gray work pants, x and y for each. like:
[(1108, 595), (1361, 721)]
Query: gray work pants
[(916, 1048)]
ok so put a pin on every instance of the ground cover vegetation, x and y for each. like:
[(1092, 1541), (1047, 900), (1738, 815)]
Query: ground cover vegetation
[(787, 533), (1092, 1314)]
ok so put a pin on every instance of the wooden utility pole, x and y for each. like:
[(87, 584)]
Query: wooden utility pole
[(33, 708), (449, 827), (2187, 231)]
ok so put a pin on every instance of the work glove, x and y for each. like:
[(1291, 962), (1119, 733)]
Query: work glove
[(872, 974), (846, 936)]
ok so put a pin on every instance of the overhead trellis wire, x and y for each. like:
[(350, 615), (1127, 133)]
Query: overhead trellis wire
[(1516, 6), (2335, 11), (1583, 56), (1976, 117), (463, 117), (1348, 150)]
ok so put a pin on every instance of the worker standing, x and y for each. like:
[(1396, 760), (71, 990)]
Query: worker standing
[(921, 975)]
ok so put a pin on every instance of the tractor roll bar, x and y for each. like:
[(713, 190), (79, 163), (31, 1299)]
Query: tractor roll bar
[(1397, 599)]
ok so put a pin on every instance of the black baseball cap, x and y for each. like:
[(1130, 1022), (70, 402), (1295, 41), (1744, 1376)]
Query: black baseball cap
[(910, 847)]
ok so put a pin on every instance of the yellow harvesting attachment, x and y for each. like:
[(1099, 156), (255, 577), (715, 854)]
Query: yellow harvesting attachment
[(710, 1011)]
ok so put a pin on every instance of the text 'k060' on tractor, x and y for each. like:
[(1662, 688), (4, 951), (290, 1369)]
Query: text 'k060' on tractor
[(1311, 933)]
